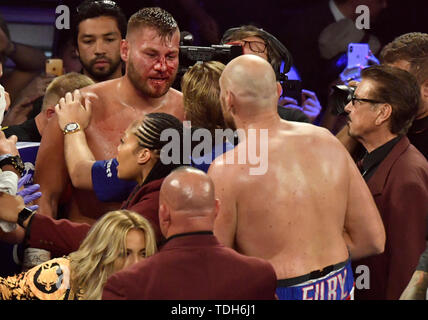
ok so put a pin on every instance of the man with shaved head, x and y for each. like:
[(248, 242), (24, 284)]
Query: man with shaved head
[(192, 264), (310, 212)]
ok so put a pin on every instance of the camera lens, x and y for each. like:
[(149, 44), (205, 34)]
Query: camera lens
[(339, 98)]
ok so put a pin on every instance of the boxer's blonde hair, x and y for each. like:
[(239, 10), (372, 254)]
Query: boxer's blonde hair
[(153, 17), (201, 95), (63, 84)]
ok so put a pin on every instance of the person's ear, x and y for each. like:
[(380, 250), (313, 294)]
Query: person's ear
[(7, 98), (424, 92), (384, 113), (50, 111), (143, 156), (278, 89), (124, 50), (164, 218), (217, 208), (230, 102)]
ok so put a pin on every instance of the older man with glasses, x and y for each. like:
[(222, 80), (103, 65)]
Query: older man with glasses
[(380, 112)]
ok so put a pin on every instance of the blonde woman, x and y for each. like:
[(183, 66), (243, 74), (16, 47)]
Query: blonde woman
[(202, 107), (201, 96), (116, 241)]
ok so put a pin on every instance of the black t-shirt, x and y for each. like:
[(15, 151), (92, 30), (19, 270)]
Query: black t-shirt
[(418, 135), (371, 161), (26, 132), (291, 114)]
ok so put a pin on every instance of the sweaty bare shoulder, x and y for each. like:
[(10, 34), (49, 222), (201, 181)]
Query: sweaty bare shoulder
[(308, 129), (100, 87), (219, 169), (226, 221), (315, 139), (98, 90), (175, 104)]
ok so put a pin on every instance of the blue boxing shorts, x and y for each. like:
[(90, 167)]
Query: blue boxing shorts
[(107, 186), (335, 282)]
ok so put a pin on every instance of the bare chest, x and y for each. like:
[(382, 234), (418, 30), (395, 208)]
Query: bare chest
[(107, 127)]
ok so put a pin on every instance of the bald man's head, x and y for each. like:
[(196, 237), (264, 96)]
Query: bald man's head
[(187, 202), (188, 189), (251, 79)]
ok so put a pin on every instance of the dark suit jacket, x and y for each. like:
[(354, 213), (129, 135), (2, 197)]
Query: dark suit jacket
[(26, 131), (61, 237), (194, 267), (400, 189)]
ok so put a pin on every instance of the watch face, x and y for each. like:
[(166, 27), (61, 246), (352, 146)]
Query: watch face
[(71, 126)]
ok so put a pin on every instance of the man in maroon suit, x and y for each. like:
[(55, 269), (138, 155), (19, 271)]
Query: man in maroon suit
[(192, 264), (381, 111)]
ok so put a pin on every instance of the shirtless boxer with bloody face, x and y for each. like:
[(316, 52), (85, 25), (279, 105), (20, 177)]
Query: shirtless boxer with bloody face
[(150, 52), (310, 209)]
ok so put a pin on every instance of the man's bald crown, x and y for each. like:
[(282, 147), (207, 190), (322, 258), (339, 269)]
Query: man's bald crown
[(188, 189), (249, 76)]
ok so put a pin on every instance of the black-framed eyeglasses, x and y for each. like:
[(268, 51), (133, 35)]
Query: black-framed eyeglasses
[(354, 98), (255, 46), (104, 3)]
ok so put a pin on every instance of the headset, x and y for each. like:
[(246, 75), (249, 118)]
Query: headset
[(274, 44)]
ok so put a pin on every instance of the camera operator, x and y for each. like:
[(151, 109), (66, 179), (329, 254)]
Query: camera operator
[(380, 112), (259, 42)]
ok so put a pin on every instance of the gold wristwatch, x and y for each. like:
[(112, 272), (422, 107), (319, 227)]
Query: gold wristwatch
[(71, 127)]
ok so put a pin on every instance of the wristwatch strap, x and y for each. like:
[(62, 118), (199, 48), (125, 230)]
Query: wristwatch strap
[(24, 215)]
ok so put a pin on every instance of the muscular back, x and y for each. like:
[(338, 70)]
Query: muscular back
[(295, 214), (112, 113)]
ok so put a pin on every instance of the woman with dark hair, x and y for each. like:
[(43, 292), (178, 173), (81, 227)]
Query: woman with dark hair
[(201, 98)]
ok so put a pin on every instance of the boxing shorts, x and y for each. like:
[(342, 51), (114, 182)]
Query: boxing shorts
[(335, 282)]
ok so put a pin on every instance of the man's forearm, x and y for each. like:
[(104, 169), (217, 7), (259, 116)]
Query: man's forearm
[(19, 54), (61, 237), (423, 260), (11, 169), (51, 170), (360, 249), (417, 287)]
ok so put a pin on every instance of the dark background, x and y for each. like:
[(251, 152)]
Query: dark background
[(274, 16), (400, 17)]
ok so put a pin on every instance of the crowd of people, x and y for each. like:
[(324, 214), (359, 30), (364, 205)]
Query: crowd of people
[(137, 182)]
